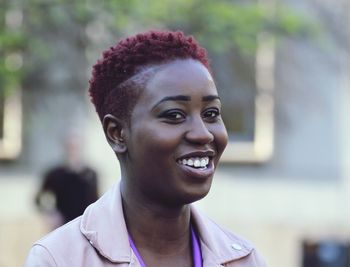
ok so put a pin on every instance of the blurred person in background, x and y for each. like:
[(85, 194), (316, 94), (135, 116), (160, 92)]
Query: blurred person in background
[(160, 112), (69, 188)]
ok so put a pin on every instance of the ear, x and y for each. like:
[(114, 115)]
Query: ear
[(114, 129)]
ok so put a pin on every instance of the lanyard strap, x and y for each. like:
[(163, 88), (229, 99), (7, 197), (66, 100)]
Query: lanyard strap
[(196, 250), (138, 256)]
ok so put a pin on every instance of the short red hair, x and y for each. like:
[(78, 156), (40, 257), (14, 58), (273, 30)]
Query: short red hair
[(125, 59)]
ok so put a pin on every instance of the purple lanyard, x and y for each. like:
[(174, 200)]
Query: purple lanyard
[(196, 250), (138, 256)]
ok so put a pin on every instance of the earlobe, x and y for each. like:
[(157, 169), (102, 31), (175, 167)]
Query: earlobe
[(114, 129)]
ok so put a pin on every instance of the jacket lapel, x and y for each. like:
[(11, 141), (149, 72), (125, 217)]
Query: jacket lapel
[(218, 245), (104, 226)]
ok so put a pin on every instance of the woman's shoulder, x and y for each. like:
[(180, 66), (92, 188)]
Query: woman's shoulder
[(228, 247), (59, 248), (209, 229)]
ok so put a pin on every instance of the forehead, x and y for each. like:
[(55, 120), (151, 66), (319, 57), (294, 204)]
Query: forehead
[(185, 77)]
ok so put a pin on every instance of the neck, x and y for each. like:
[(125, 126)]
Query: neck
[(155, 227)]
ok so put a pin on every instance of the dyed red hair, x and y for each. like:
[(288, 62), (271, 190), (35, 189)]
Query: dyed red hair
[(126, 58)]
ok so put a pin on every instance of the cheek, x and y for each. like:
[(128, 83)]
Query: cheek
[(157, 141), (221, 137)]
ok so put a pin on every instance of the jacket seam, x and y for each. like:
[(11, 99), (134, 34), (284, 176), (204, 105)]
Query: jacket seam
[(48, 252)]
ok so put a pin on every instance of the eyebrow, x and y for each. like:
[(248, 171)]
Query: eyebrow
[(207, 98)]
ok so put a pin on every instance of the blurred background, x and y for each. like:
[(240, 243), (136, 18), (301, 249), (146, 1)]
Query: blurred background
[(282, 69)]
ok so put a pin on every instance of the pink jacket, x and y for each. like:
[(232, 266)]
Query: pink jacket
[(99, 238)]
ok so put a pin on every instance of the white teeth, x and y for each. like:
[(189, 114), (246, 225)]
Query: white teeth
[(195, 162)]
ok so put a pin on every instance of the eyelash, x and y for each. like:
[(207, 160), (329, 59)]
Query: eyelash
[(177, 116), (172, 115), (215, 112)]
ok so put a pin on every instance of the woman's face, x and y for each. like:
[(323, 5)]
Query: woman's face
[(176, 135)]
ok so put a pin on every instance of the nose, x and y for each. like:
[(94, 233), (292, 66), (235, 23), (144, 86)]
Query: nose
[(198, 132)]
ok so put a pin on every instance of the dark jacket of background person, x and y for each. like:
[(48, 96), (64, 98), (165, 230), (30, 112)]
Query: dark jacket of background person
[(73, 190)]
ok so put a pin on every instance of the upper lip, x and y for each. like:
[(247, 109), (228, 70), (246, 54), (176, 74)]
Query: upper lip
[(198, 154)]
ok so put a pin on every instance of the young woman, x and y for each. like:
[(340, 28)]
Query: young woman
[(160, 112)]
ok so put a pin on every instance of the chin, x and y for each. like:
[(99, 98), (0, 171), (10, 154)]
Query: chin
[(196, 198), (196, 194)]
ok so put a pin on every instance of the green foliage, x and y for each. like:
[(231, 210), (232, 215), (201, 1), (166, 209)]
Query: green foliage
[(218, 25), (11, 43)]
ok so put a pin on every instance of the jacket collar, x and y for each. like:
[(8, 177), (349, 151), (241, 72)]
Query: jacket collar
[(218, 246), (104, 226)]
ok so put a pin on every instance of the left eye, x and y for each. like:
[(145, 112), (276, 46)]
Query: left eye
[(211, 113), (177, 116), (173, 116)]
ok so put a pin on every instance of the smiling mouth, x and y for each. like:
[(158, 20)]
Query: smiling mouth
[(195, 162)]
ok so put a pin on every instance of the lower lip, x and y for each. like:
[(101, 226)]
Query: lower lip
[(198, 173)]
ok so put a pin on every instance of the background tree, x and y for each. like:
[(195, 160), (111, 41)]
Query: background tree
[(48, 47), (28, 28)]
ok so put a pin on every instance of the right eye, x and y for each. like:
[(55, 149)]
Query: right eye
[(173, 116)]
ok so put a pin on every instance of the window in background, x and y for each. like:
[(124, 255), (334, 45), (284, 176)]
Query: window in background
[(10, 124), (246, 89)]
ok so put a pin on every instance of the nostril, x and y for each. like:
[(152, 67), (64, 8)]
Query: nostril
[(199, 134), (200, 137)]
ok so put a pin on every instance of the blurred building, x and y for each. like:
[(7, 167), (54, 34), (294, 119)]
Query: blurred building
[(301, 194), (289, 189)]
